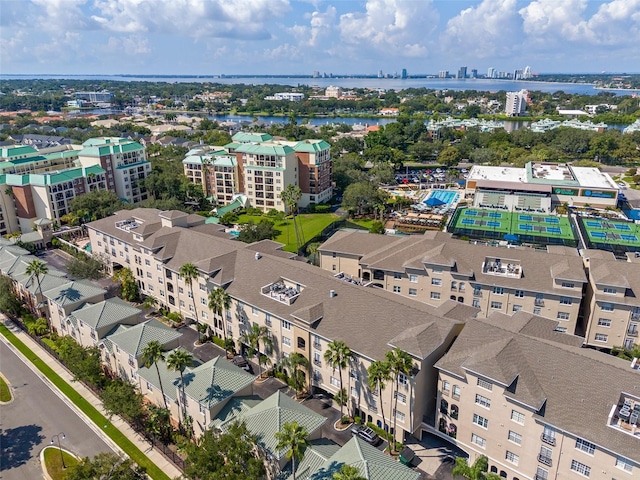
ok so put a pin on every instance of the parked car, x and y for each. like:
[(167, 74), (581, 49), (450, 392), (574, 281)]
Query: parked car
[(240, 361), (367, 434)]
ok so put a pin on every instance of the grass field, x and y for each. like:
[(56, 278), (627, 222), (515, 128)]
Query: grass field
[(96, 417), (312, 224), (53, 462), (5, 393), (523, 224)]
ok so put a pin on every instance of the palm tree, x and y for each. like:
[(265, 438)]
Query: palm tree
[(291, 196), (189, 273), (477, 471), (178, 360), (152, 354), (295, 439), (219, 300), (400, 362), (347, 472), (338, 355), (150, 302), (378, 374), (253, 337), (37, 268), (294, 362)]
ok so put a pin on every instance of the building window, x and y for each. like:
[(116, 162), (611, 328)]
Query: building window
[(456, 391), (203, 410), (446, 386), (477, 290), (606, 307), (335, 381), (611, 291), (478, 420), (604, 322), (396, 289), (624, 464), (498, 291), (436, 281), (484, 384), (403, 379), (517, 308), (585, 446), (567, 285), (512, 457), (413, 292), (286, 325), (601, 337), (475, 303), (517, 417), (413, 278), (478, 440), (286, 341), (541, 474), (402, 398), (581, 468), (496, 305), (515, 437), (354, 392), (565, 301), (483, 401), (435, 295), (562, 316), (436, 270), (397, 276), (519, 294), (400, 416)]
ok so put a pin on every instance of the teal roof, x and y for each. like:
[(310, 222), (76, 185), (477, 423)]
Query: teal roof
[(106, 313), (232, 145), (123, 167), (265, 149), (95, 147), (268, 417), (311, 146), (370, 462), (92, 142), (52, 178), (245, 137), (235, 205), (73, 292), (210, 220), (133, 339), (215, 381), (6, 152), (315, 456)]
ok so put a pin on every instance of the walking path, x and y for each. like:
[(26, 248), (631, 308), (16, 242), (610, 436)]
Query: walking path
[(154, 456)]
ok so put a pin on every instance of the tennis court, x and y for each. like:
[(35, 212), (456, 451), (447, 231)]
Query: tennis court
[(529, 228), (608, 234)]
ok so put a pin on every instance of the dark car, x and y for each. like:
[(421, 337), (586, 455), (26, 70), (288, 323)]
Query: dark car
[(240, 361), (367, 434)]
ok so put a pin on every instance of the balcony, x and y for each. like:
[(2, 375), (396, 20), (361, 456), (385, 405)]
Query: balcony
[(635, 315), (548, 439), (317, 363), (545, 460), (539, 302), (632, 332), (540, 477), (317, 345)]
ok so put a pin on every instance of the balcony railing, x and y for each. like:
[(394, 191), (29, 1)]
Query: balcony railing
[(632, 332), (540, 477), (635, 315), (538, 302), (317, 345), (548, 439), (545, 460), (317, 362)]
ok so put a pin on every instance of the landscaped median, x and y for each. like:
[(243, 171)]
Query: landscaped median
[(96, 417)]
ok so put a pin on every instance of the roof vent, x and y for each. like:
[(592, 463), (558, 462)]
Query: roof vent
[(258, 256), (332, 293)]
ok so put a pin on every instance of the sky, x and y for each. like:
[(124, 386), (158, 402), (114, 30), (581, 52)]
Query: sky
[(298, 37)]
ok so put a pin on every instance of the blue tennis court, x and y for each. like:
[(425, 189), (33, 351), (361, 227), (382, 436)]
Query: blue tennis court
[(628, 238), (556, 230), (594, 224), (470, 213), (526, 218), (493, 224), (622, 226), (495, 215), (598, 234), (551, 220), (525, 227), (468, 221)]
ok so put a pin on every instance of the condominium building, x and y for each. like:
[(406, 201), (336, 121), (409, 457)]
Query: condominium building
[(333, 92), (516, 103), (434, 268), (538, 406), (261, 168), (125, 163), (612, 300), (303, 307)]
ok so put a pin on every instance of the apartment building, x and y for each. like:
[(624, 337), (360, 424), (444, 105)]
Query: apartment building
[(538, 406), (611, 301), (434, 268), (516, 103), (260, 167), (124, 162), (303, 307)]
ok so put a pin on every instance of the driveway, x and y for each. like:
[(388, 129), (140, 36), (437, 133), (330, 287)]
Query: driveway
[(30, 421), (322, 405), (434, 456)]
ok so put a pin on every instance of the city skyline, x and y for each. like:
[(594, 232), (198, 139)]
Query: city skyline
[(296, 37)]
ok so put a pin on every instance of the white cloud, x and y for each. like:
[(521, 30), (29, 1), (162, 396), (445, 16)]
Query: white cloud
[(133, 45), (488, 29), (321, 26), (395, 27), (551, 18)]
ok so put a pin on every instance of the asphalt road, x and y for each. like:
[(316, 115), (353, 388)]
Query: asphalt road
[(28, 424)]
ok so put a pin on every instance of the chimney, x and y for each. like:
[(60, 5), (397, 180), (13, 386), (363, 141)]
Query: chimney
[(332, 293)]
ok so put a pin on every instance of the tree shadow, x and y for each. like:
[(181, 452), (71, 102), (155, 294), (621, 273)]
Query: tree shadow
[(17, 445)]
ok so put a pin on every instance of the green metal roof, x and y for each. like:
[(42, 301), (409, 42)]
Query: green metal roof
[(73, 292), (315, 456), (170, 378), (52, 178), (245, 137), (95, 147), (311, 146), (269, 149), (130, 165), (133, 339), (6, 152), (371, 463), (105, 314)]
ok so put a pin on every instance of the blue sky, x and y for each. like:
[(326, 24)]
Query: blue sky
[(299, 36)]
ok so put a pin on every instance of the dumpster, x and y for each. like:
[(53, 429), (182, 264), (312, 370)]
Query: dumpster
[(406, 456)]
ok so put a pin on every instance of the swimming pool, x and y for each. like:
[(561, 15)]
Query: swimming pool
[(446, 196)]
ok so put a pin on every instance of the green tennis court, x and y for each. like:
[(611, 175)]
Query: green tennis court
[(603, 233)]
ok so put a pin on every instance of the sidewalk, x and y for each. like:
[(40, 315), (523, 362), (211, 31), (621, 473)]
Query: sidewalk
[(156, 457)]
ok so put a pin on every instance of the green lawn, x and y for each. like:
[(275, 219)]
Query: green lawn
[(5, 392), (360, 222), (53, 462), (96, 417), (311, 223)]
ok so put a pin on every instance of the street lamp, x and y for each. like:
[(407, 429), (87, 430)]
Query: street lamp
[(58, 437)]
